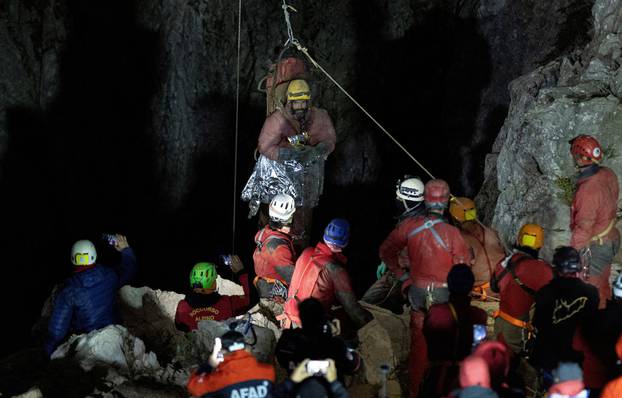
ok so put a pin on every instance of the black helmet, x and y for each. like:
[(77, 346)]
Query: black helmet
[(567, 260), (232, 340)]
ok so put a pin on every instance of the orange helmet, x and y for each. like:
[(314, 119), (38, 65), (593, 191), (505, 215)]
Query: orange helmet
[(531, 235), (586, 150), (462, 209), (436, 194)]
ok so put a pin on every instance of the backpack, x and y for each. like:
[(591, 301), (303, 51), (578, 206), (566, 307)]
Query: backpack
[(277, 80)]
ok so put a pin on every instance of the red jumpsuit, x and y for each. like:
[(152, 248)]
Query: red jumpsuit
[(239, 375), (274, 259), (198, 307), (449, 340), (432, 252), (320, 274), (277, 128), (487, 252), (593, 211), (515, 302)]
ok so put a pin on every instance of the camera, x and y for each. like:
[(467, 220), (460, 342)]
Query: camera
[(225, 259), (110, 238), (317, 367)]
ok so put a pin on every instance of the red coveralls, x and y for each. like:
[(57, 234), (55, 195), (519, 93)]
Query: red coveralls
[(277, 128), (432, 252), (273, 258), (448, 331), (211, 307), (487, 252), (515, 302), (240, 375), (593, 211), (320, 274)]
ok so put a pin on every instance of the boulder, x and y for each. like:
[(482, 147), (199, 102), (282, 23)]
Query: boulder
[(385, 341)]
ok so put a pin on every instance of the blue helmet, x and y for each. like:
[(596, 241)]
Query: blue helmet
[(337, 232)]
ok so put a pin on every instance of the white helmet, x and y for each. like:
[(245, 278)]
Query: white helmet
[(410, 189), (282, 208), (617, 287), (83, 253)]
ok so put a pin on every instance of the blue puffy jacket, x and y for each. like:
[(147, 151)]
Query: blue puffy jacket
[(87, 300)]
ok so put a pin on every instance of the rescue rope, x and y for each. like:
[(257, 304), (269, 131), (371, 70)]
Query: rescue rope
[(292, 40), (237, 122)]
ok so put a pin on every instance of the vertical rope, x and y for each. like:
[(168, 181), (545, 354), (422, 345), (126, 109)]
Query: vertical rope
[(237, 122)]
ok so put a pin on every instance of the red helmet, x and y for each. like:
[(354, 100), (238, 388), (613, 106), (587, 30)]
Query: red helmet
[(586, 150), (436, 194)]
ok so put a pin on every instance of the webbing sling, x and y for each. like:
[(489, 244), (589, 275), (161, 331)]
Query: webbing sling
[(429, 225), (260, 244), (494, 281)]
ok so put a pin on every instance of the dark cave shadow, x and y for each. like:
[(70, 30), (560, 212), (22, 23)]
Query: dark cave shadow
[(425, 88), (83, 165)]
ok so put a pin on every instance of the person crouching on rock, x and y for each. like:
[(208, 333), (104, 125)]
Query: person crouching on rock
[(204, 302), (86, 301)]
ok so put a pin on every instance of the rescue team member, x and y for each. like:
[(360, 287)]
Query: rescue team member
[(320, 273), (561, 306), (386, 291), (517, 279), (483, 241), (204, 302), (614, 388), (87, 299), (274, 255), (448, 330), (231, 372), (593, 213), (306, 134), (597, 338), (433, 247)]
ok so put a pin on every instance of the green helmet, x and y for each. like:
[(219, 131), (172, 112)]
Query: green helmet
[(203, 275)]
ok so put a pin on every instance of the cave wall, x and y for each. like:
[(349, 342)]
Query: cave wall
[(119, 116), (577, 93)]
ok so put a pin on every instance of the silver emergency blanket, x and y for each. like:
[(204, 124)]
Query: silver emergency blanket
[(303, 180)]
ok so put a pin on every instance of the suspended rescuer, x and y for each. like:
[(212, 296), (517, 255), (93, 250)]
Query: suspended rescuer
[(433, 247), (593, 213), (448, 330), (274, 255), (386, 292), (204, 302), (231, 371), (320, 273), (561, 306), (483, 241), (517, 279), (303, 133), (87, 300)]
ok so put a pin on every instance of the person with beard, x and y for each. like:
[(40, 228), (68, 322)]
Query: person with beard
[(204, 302), (303, 133), (386, 291)]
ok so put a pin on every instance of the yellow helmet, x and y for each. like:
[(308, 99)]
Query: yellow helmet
[(462, 209), (298, 90), (531, 235)]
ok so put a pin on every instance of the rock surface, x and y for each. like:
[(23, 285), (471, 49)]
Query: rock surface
[(573, 94)]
